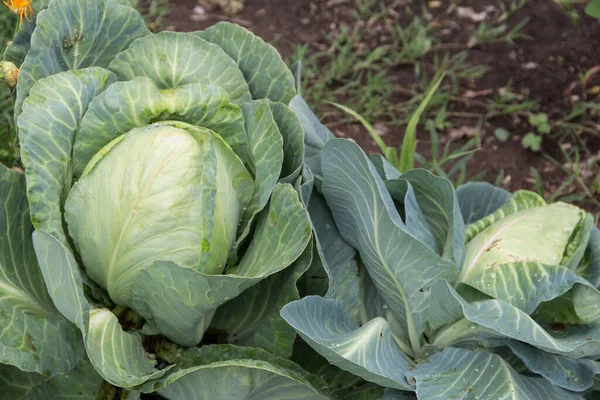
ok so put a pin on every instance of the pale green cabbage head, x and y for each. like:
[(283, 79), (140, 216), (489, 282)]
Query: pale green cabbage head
[(149, 196)]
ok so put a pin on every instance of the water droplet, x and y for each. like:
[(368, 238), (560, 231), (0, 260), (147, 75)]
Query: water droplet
[(476, 370), (384, 306), (493, 275)]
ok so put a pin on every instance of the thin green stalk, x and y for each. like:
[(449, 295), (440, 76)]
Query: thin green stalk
[(409, 144)]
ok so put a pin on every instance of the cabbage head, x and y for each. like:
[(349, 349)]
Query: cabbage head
[(158, 227)]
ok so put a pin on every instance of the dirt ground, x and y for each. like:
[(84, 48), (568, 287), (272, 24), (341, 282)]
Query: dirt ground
[(543, 68)]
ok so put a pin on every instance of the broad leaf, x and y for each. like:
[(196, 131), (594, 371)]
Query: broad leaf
[(384, 167), (52, 114), (510, 322), (527, 284), (75, 34), (480, 199), (267, 75), (520, 200), (572, 374), (315, 135), (103, 335), (336, 258), (458, 373), (229, 372), (401, 267), (368, 351), (173, 59), (293, 141), (183, 313), (82, 382), (343, 385), (139, 102), (438, 204), (589, 268), (117, 355), (252, 319), (16, 384), (35, 337), (266, 149)]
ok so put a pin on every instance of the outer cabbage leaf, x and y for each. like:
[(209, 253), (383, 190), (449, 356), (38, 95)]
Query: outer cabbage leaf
[(293, 141), (104, 335), (174, 59), (230, 372), (266, 150), (267, 75), (35, 337), (401, 267), (368, 351), (572, 374), (15, 384), (477, 200), (527, 284), (52, 114), (336, 258), (82, 382), (589, 268), (315, 135), (384, 167), (458, 373), (183, 312), (252, 319), (542, 234), (75, 34), (520, 200), (343, 385), (508, 321), (438, 205), (139, 102)]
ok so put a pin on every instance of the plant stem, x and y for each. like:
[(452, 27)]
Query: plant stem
[(449, 334)]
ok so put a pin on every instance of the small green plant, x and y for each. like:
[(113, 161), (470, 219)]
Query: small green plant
[(487, 33), (533, 140), (406, 161)]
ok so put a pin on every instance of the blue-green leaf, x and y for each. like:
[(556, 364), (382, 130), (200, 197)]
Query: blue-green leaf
[(569, 373), (401, 267), (461, 374), (480, 199), (368, 351), (252, 318), (230, 372), (35, 336), (315, 135)]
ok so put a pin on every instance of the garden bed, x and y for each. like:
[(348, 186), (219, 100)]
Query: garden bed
[(540, 73)]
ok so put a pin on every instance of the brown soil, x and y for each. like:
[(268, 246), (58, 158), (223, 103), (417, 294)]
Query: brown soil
[(542, 68)]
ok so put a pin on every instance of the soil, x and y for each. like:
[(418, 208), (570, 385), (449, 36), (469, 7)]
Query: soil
[(543, 68)]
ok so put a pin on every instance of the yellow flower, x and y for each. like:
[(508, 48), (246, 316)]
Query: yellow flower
[(9, 72), (20, 7)]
